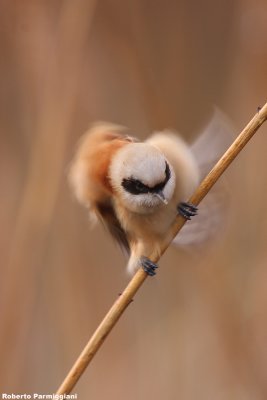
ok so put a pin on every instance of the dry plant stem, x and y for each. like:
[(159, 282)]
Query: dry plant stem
[(126, 297)]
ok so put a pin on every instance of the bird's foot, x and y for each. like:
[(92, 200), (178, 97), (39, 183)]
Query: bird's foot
[(148, 266), (187, 210)]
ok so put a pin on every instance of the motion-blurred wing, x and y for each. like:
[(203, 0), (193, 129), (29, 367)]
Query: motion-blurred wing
[(208, 224), (213, 141), (212, 213)]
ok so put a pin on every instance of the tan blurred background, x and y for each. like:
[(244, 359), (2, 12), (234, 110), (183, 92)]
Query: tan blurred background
[(198, 330)]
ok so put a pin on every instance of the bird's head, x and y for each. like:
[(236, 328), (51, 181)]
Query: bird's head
[(142, 178)]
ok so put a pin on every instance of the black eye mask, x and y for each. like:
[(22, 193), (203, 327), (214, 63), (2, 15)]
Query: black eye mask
[(134, 186)]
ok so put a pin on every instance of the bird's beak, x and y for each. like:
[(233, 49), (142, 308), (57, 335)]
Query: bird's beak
[(161, 196)]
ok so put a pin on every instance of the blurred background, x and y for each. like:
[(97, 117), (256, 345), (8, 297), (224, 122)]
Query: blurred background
[(197, 330)]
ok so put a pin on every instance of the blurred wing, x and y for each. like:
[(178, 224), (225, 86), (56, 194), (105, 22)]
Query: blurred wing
[(213, 141), (210, 221), (212, 212)]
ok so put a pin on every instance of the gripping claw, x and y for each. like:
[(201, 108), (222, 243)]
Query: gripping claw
[(187, 210), (148, 266)]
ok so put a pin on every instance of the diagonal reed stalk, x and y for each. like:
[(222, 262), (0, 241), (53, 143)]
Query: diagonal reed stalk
[(138, 279)]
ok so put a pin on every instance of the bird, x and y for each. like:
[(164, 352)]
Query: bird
[(136, 188)]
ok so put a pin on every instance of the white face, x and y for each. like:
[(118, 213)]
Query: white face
[(142, 178)]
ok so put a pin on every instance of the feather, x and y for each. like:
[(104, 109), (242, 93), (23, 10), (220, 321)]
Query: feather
[(89, 170), (89, 175), (109, 219)]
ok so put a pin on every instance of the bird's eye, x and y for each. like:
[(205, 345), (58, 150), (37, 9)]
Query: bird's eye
[(134, 186)]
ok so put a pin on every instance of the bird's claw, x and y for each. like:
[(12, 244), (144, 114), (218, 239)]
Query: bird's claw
[(187, 210), (148, 266)]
